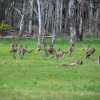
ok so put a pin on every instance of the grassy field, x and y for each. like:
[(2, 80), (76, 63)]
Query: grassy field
[(36, 77)]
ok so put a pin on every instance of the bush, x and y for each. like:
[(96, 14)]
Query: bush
[(4, 28)]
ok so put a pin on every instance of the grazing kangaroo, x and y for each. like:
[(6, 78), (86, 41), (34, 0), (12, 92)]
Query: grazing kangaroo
[(60, 54), (71, 49), (85, 48), (89, 53), (50, 51), (14, 49)]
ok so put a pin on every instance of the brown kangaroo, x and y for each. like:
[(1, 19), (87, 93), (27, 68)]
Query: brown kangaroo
[(14, 49), (52, 44), (60, 54), (71, 49), (50, 51), (89, 53), (38, 48), (22, 51), (73, 63)]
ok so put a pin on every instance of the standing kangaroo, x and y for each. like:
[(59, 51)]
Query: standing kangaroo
[(52, 44), (71, 49), (60, 53), (22, 51), (14, 49)]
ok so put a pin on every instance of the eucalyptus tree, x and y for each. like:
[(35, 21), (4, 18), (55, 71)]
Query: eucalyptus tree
[(2, 10), (72, 21), (39, 20), (96, 16), (21, 12), (31, 3), (79, 18), (61, 16), (91, 16), (76, 14)]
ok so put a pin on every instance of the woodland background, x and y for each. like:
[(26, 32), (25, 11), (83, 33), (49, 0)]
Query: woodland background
[(50, 18)]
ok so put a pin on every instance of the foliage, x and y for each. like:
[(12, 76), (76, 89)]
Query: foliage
[(4, 28)]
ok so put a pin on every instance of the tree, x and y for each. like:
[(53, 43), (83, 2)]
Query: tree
[(39, 19), (31, 3), (4, 28), (72, 22), (79, 19), (2, 10)]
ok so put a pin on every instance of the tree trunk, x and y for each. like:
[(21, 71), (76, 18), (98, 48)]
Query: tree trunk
[(72, 22), (79, 20), (53, 29), (31, 13), (22, 19), (12, 18), (39, 19), (21, 25), (91, 17), (2, 11), (53, 23), (57, 16), (96, 22), (61, 6)]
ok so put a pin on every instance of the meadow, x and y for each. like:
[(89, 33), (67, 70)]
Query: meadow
[(37, 77)]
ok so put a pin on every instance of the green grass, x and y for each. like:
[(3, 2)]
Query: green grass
[(39, 78)]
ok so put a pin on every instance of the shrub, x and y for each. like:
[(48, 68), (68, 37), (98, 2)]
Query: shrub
[(4, 28)]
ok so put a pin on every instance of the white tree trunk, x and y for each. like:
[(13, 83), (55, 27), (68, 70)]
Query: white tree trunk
[(53, 29), (96, 22), (22, 19), (39, 19), (90, 17), (57, 16), (72, 27), (61, 6), (21, 25), (22, 13), (31, 13)]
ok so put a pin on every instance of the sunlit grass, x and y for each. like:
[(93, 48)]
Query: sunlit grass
[(36, 77)]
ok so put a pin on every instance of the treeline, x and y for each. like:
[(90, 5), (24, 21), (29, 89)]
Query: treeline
[(75, 18)]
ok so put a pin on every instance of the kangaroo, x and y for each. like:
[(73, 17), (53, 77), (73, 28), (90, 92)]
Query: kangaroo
[(14, 49), (60, 54), (89, 53), (85, 48), (50, 51), (22, 51), (38, 48), (71, 49), (73, 63), (52, 44)]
